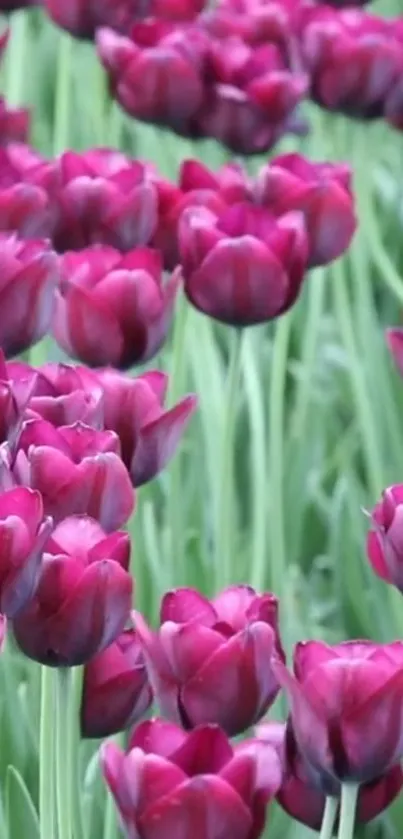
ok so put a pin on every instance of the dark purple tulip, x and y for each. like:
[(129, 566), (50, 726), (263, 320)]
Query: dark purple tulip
[(346, 705), (83, 599), (77, 470), (210, 661), (24, 530), (175, 784), (245, 266), (83, 17), (116, 691), (149, 434), (112, 308), (303, 800)]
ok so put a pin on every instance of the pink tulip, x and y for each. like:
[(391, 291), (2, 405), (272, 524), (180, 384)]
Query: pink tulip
[(385, 540), (210, 661), (24, 204), (83, 599), (60, 393), (15, 395), (113, 309)]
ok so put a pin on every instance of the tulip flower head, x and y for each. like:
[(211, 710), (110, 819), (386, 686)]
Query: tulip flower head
[(210, 661), (173, 783), (385, 540), (83, 598), (346, 707)]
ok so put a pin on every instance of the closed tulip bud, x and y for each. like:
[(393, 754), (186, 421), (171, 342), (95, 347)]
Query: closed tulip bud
[(113, 309), (148, 434), (346, 705), (116, 691), (243, 267), (321, 191), (24, 204), (77, 470), (83, 598), (157, 79), (175, 784), (28, 280), (303, 800), (24, 530), (210, 661), (60, 393), (385, 540)]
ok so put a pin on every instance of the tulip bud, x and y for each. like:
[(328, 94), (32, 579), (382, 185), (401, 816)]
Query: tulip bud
[(394, 340), (83, 598), (116, 691), (303, 800), (149, 435), (23, 533), (190, 783), (243, 267), (385, 540), (29, 276), (346, 706), (77, 470), (113, 309), (210, 661)]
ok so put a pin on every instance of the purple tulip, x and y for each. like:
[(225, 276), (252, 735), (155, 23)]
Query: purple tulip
[(385, 540), (83, 599)]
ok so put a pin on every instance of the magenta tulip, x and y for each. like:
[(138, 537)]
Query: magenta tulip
[(346, 707), (243, 267), (394, 339), (173, 784), (28, 280), (60, 393), (14, 123), (210, 661), (321, 191), (24, 205), (76, 469), (116, 691), (149, 435), (113, 309), (83, 599), (15, 395), (83, 17), (24, 530), (385, 540), (304, 801)]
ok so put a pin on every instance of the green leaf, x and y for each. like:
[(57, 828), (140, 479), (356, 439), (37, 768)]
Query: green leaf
[(22, 817)]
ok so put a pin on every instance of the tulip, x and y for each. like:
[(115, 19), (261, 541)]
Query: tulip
[(97, 197), (254, 22), (24, 204), (394, 339), (83, 17), (149, 435), (321, 191), (113, 309), (385, 540), (13, 5), (116, 691), (210, 661), (14, 123), (24, 530), (354, 63), (60, 393), (304, 801), (83, 599), (243, 267), (346, 707), (175, 784), (159, 80), (77, 470), (29, 276), (15, 395)]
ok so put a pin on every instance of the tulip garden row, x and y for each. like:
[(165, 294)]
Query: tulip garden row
[(152, 684)]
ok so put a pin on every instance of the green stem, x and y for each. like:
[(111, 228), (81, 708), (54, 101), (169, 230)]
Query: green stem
[(16, 58), (256, 406), (276, 457), (46, 756), (329, 818), (110, 821), (225, 523), (64, 761), (62, 114), (349, 795)]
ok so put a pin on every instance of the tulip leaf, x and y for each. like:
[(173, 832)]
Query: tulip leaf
[(22, 817)]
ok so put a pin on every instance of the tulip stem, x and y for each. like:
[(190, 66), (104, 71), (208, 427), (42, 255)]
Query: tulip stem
[(225, 524), (349, 795), (329, 818), (62, 115), (64, 765), (46, 756)]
